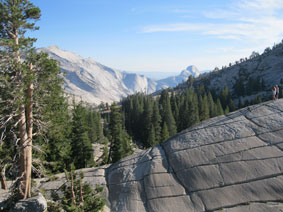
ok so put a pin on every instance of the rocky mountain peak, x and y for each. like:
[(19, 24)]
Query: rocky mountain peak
[(190, 70)]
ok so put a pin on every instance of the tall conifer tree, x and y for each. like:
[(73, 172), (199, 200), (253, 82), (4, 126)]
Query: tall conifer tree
[(194, 111), (26, 79), (120, 141), (168, 117), (156, 121), (82, 154), (146, 123), (219, 108), (15, 18), (212, 107), (204, 108), (165, 133), (151, 138)]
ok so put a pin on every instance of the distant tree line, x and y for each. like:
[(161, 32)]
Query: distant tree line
[(153, 119), (243, 86)]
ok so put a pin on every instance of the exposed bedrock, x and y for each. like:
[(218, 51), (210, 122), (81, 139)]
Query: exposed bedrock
[(231, 163)]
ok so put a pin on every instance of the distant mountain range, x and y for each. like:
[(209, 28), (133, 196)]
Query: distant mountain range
[(95, 83)]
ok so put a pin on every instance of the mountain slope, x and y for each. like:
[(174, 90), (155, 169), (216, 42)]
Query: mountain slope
[(95, 83), (228, 163), (85, 78), (243, 78)]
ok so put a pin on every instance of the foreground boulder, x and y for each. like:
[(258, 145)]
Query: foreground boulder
[(36, 204), (230, 163)]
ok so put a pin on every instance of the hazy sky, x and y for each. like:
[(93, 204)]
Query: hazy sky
[(161, 35)]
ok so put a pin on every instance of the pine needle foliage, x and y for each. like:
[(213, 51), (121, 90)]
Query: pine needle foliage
[(78, 196)]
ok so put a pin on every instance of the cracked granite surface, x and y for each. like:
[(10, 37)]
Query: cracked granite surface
[(230, 163)]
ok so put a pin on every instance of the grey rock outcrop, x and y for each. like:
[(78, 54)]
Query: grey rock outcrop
[(37, 203), (230, 163)]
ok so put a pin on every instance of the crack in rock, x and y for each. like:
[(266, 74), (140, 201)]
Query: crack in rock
[(188, 193), (241, 182)]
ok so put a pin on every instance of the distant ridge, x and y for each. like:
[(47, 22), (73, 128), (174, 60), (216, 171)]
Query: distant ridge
[(248, 77), (94, 83)]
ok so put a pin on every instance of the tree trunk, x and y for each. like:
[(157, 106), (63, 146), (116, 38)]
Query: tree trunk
[(2, 177), (29, 141), (81, 192), (73, 187), (24, 185), (23, 155)]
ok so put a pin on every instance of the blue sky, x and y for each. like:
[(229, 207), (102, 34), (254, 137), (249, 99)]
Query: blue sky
[(161, 35)]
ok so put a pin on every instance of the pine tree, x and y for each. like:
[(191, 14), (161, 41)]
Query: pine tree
[(57, 151), (82, 153), (92, 134), (189, 110), (175, 108), (147, 121), (167, 113), (151, 138), (165, 133), (204, 108), (126, 149), (226, 111), (156, 121), (15, 18), (219, 108), (211, 104), (77, 196), (183, 113), (224, 96), (193, 111), (95, 131), (136, 115), (120, 140), (98, 126)]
